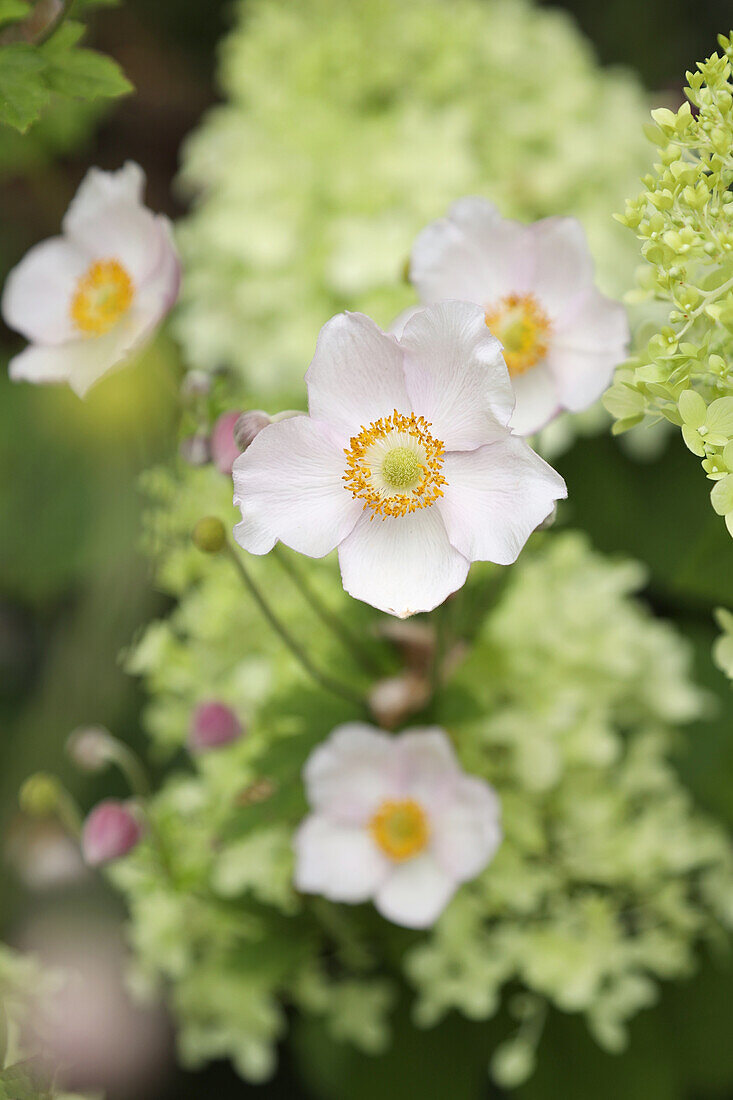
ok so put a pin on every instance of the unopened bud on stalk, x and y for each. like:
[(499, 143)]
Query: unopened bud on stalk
[(195, 450), (196, 384), (224, 447), (395, 698), (247, 426), (110, 831), (209, 535), (40, 795), (89, 748), (212, 726)]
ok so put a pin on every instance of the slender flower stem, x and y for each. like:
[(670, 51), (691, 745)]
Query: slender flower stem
[(324, 613), (321, 678), (441, 624), (68, 813), (130, 765)]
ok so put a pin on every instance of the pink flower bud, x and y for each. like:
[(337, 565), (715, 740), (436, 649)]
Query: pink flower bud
[(213, 725), (224, 449), (248, 425), (110, 831)]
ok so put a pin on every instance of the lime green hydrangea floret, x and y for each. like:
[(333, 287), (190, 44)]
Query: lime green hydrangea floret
[(567, 705), (684, 218)]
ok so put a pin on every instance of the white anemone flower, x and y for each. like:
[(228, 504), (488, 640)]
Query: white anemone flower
[(561, 337), (90, 298), (405, 463), (394, 819)]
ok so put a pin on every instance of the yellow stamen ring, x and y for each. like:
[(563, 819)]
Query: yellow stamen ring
[(103, 294), (523, 328), (400, 828), (394, 465)]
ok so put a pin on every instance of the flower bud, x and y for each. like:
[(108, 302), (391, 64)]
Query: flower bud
[(110, 831), (196, 384), (89, 748), (195, 450), (395, 698), (224, 448), (209, 535), (247, 426), (39, 796), (213, 725)]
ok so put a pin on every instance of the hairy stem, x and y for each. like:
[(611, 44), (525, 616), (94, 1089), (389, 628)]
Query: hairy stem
[(324, 613), (321, 678)]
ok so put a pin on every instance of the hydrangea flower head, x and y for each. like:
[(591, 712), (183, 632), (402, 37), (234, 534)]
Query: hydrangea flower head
[(405, 463), (88, 299), (561, 337), (394, 819), (682, 369)]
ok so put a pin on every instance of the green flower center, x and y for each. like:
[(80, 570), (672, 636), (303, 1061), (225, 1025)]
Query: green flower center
[(402, 469)]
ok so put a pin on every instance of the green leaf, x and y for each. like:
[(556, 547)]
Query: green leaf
[(86, 74), (23, 93), (67, 35), (13, 10)]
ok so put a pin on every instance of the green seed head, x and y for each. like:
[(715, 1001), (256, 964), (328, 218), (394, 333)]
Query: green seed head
[(401, 469)]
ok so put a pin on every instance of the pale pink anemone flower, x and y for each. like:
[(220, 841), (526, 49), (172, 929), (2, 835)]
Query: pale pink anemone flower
[(89, 299), (394, 819), (405, 463), (561, 337)]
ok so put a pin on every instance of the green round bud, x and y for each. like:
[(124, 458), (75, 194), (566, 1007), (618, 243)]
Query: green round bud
[(210, 535), (39, 795)]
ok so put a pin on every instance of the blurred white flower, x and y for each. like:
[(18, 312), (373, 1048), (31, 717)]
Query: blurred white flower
[(405, 462), (90, 298), (394, 819), (562, 338)]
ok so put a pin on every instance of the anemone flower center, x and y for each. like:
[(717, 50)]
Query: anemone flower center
[(103, 295), (394, 465), (523, 328), (400, 828)]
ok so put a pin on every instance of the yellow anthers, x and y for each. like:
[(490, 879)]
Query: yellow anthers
[(103, 295), (523, 327), (394, 465), (400, 828)]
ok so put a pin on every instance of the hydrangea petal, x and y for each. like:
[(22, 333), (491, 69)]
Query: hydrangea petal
[(415, 893), (456, 375), (495, 498), (288, 485), (338, 861), (401, 565), (356, 375)]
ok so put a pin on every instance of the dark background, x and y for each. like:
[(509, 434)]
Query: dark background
[(70, 569)]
